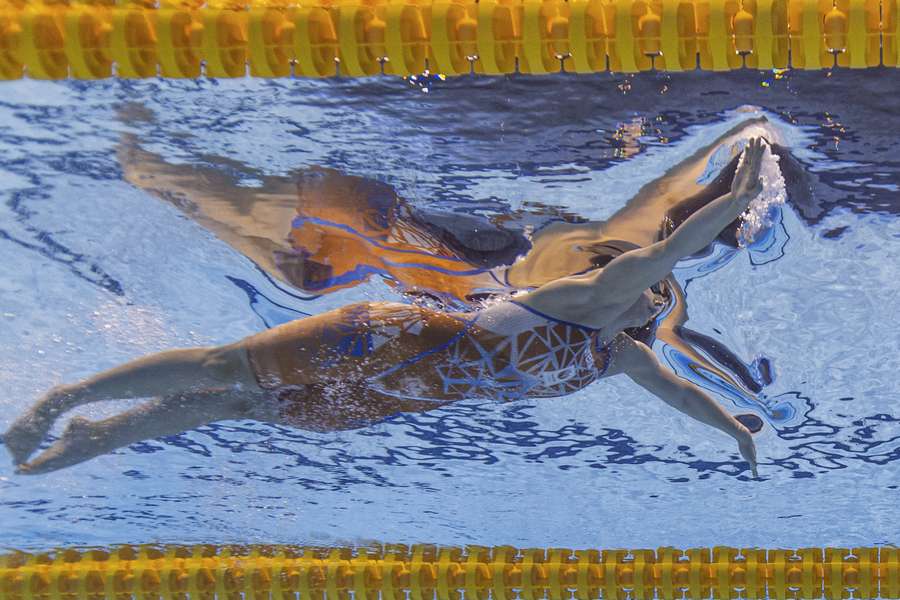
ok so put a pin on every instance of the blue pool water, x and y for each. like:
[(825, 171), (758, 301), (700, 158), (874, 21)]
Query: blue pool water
[(97, 272)]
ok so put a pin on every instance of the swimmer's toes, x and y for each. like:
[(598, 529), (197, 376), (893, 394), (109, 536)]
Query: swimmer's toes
[(25, 435), (77, 444)]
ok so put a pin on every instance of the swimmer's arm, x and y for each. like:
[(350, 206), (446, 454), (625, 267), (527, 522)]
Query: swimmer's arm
[(626, 276), (644, 368)]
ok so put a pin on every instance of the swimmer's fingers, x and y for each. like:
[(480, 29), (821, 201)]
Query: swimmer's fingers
[(745, 166), (753, 159), (746, 184), (758, 151), (747, 447)]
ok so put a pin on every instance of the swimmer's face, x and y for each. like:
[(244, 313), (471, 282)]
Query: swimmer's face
[(645, 308)]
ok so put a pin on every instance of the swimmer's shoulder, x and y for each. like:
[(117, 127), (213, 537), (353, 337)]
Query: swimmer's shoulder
[(570, 300)]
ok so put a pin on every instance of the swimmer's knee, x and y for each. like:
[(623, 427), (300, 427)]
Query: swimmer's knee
[(256, 406), (243, 407), (228, 365)]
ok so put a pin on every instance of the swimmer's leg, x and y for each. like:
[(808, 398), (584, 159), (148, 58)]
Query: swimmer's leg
[(161, 374), (251, 219), (84, 439)]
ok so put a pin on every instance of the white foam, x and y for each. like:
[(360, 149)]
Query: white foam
[(760, 214)]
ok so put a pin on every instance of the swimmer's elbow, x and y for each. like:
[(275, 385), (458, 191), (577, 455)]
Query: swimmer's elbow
[(628, 275)]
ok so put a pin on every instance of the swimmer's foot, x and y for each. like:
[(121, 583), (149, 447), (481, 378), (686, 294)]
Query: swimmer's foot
[(81, 441), (26, 433)]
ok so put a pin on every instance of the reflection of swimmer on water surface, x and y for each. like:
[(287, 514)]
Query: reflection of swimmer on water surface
[(360, 364), (349, 228), (322, 231)]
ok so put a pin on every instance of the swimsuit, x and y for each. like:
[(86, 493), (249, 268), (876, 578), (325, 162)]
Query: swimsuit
[(506, 352), (509, 352)]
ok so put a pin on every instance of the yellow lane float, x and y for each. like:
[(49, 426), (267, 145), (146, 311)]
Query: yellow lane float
[(426, 572), (321, 38)]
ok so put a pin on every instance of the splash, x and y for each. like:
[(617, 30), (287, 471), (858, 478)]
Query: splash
[(425, 80), (761, 213)]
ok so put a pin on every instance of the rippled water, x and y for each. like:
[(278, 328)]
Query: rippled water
[(97, 272)]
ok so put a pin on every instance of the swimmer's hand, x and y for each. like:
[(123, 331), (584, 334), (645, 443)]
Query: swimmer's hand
[(746, 184), (747, 447)]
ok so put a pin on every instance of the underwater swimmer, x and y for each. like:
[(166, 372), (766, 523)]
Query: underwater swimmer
[(321, 231), (364, 362)]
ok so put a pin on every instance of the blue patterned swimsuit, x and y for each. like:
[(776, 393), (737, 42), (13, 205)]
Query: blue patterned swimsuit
[(507, 352)]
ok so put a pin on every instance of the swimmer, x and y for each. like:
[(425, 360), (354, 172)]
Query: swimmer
[(362, 363), (321, 231)]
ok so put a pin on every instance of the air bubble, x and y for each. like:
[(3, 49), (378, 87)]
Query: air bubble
[(760, 213)]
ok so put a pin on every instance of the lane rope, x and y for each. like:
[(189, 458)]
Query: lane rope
[(422, 572), (54, 39)]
